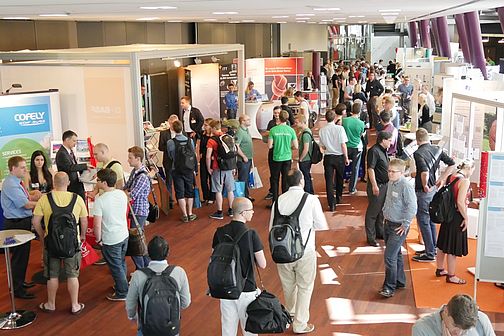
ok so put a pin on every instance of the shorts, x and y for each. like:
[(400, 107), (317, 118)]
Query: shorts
[(71, 266), (183, 184), (222, 178)]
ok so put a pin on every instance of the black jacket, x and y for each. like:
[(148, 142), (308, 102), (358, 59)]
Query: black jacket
[(305, 83), (65, 163), (195, 119)]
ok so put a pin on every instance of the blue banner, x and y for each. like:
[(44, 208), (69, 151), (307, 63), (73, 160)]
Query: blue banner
[(25, 119)]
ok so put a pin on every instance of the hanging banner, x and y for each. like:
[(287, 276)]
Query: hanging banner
[(27, 125)]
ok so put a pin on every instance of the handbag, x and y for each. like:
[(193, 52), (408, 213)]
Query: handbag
[(197, 199), (89, 255), (137, 246), (153, 215), (257, 179), (239, 189)]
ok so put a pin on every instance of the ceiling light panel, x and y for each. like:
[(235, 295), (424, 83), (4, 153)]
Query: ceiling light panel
[(324, 9), (303, 15), (158, 7), (54, 15), (225, 13)]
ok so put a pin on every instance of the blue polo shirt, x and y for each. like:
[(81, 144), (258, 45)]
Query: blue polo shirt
[(14, 198)]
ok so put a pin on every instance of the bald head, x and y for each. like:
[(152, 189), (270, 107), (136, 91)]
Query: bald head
[(101, 152), (61, 181), (241, 204)]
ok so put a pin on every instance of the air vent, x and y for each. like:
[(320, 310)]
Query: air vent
[(385, 28)]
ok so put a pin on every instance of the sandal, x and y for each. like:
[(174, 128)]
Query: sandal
[(77, 312), (459, 281), (440, 272), (42, 307)]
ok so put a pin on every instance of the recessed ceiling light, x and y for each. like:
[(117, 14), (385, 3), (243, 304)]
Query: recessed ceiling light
[(225, 13), (234, 21), (311, 22), (356, 16), (54, 15), (303, 18), (282, 22), (174, 21), (362, 21), (389, 10), (389, 14), (177, 63), (327, 9), (16, 18), (325, 23), (305, 14), (327, 20), (245, 21), (210, 20), (147, 19), (501, 41), (158, 7), (339, 18), (280, 16)]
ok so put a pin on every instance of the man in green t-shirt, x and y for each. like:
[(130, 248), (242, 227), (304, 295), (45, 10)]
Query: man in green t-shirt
[(245, 152), (305, 152), (354, 127), (282, 139)]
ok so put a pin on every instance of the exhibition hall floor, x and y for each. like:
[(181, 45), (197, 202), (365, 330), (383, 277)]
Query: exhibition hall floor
[(345, 301)]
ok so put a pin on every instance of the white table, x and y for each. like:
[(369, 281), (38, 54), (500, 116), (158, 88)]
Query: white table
[(15, 318)]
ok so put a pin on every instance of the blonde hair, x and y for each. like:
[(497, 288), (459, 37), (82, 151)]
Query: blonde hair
[(398, 163), (422, 99), (388, 99), (357, 88), (466, 163), (301, 118), (422, 135), (172, 118)]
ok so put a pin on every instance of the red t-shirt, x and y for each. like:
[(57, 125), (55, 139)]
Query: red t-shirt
[(213, 144)]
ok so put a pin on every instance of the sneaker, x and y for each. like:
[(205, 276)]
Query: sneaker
[(210, 202), (308, 329), (192, 217), (423, 258), (100, 262), (420, 252), (114, 297), (230, 212), (217, 215), (269, 196), (386, 293), (184, 219)]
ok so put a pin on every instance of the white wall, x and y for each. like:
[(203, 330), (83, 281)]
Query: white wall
[(205, 89), (301, 37), (384, 47), (95, 100)]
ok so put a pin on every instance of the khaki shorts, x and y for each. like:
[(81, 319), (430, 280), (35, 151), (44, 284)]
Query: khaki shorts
[(71, 266)]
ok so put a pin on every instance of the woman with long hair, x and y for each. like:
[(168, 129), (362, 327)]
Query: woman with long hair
[(40, 178), (452, 239)]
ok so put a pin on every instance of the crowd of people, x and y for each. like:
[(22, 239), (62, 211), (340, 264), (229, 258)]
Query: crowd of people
[(193, 145)]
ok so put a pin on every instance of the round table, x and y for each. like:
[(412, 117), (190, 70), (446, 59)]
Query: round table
[(15, 318)]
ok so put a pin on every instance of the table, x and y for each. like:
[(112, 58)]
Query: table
[(15, 318)]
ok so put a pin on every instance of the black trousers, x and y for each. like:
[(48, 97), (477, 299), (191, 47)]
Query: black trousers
[(374, 212), (206, 181), (270, 162), (277, 168), (19, 254), (334, 167)]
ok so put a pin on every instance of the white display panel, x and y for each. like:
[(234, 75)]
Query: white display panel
[(205, 89)]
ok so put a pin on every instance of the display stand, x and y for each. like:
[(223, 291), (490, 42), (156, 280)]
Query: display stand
[(251, 110), (14, 319), (490, 250)]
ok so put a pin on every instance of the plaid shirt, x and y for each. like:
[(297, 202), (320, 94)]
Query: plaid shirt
[(139, 186)]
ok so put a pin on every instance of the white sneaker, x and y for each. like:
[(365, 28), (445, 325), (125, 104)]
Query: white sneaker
[(308, 329)]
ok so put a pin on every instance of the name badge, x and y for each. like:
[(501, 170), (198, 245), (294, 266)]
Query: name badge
[(395, 194), (193, 121)]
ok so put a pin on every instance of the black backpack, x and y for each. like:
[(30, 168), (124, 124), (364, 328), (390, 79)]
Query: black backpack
[(61, 240), (226, 152), (185, 156), (316, 156), (443, 206), (160, 304), (286, 243), (266, 315), (224, 274)]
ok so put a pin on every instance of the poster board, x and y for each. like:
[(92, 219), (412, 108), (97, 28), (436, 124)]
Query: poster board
[(490, 250), (29, 122)]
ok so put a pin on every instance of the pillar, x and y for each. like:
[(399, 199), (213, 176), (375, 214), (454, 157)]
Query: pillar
[(425, 34), (316, 67), (474, 36), (444, 36), (413, 34), (462, 33)]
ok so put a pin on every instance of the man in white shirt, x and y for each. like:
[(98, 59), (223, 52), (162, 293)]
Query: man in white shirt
[(298, 277), (111, 230), (333, 141), (303, 104)]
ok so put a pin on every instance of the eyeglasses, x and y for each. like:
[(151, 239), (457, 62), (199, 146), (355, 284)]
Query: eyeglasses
[(393, 171), (248, 210)]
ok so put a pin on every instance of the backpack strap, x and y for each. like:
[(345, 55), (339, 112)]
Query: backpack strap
[(54, 206), (312, 139), (147, 271), (111, 163), (300, 206), (168, 270)]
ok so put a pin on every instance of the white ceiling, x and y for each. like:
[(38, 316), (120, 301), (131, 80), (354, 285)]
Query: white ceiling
[(257, 10)]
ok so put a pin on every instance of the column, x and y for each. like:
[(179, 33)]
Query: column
[(462, 33), (444, 36), (413, 34), (474, 36)]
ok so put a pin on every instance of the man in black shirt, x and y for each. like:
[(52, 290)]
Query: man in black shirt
[(373, 89), (285, 107), (427, 159), (377, 161), (234, 311)]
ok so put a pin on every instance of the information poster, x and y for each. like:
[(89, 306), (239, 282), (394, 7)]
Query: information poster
[(460, 129), (494, 235), (228, 74), (26, 126)]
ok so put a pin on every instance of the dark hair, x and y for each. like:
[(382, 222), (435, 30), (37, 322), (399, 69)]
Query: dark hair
[(230, 84), (158, 248), (463, 310), (330, 115), (284, 100), (108, 176), (385, 116), (340, 108), (294, 177), (298, 94), (68, 134), (278, 107), (383, 135), (45, 171), (177, 126)]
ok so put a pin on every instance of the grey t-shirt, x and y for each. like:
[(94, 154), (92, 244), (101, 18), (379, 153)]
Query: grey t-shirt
[(432, 325)]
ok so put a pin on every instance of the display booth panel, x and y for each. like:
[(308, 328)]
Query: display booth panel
[(205, 89)]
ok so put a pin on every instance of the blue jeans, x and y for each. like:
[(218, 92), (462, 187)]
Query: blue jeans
[(305, 168), (426, 226), (243, 173), (140, 261), (115, 256), (355, 155), (394, 265)]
